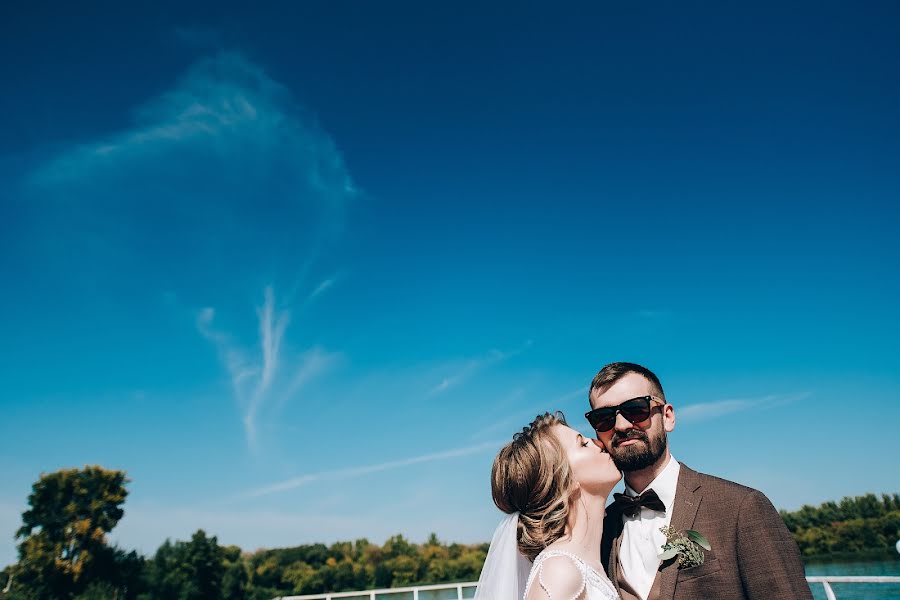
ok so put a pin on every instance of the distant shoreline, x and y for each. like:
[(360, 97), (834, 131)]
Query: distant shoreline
[(879, 555)]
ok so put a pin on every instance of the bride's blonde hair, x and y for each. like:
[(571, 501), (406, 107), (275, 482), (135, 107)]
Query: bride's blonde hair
[(531, 475)]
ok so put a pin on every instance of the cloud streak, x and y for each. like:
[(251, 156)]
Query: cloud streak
[(228, 106), (221, 175), (520, 418), (351, 472), (474, 366), (322, 287), (694, 413), (221, 185), (258, 378)]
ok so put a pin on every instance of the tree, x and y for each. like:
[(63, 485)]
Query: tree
[(98, 591), (191, 570), (235, 581), (64, 530), (207, 567)]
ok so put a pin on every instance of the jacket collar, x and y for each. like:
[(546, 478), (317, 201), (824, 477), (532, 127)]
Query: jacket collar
[(687, 501)]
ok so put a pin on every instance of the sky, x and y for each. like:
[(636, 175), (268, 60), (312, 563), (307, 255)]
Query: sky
[(301, 269)]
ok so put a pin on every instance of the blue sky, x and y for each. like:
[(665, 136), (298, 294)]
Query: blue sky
[(301, 269)]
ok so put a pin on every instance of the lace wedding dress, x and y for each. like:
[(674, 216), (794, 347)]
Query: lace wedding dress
[(596, 586)]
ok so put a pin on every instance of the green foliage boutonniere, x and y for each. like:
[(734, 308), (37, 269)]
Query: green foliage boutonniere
[(688, 546)]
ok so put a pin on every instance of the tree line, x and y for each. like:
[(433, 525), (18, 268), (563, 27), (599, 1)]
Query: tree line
[(64, 553), (860, 526)]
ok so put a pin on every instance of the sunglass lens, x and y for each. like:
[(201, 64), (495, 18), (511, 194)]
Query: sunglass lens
[(635, 410), (602, 419)]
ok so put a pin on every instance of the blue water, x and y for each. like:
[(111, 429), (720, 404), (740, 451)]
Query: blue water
[(843, 591), (857, 591)]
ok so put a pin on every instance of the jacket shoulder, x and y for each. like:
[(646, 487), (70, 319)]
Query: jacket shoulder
[(723, 487), (736, 497)]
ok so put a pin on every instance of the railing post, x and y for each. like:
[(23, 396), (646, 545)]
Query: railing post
[(829, 593), (459, 592)]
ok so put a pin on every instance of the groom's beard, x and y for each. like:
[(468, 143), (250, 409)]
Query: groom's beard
[(641, 455)]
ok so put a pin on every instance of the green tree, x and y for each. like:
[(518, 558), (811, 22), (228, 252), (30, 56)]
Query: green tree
[(191, 570), (64, 530), (299, 576), (98, 591), (862, 525), (404, 570), (398, 546), (235, 581), (206, 567)]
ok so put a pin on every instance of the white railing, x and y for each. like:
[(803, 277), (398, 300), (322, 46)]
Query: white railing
[(384, 594), (387, 593), (827, 580)]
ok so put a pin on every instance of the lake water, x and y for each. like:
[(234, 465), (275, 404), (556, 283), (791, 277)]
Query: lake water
[(843, 591), (857, 591)]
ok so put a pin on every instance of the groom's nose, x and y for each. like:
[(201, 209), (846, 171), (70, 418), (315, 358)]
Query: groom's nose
[(623, 424)]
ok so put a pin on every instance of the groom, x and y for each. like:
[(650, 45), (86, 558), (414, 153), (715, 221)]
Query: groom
[(752, 553)]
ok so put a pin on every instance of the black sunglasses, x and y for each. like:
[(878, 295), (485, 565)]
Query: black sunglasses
[(635, 410)]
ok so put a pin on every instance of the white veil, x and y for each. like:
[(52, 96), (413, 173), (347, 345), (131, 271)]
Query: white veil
[(505, 570)]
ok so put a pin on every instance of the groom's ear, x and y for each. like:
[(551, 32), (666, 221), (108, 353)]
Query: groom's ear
[(669, 417)]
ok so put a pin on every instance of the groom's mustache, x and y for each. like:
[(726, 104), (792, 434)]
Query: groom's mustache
[(631, 434)]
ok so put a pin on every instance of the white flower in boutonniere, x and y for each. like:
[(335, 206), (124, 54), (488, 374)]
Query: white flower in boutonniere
[(688, 546)]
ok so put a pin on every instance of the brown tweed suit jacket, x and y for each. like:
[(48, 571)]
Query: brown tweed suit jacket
[(753, 555)]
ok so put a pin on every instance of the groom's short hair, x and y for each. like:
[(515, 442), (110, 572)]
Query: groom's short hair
[(612, 372)]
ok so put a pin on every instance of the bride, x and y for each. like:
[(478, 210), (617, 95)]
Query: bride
[(553, 483)]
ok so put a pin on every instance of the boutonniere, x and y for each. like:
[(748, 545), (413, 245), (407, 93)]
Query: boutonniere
[(688, 546)]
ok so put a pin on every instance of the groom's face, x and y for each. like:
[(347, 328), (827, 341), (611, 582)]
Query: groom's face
[(634, 446)]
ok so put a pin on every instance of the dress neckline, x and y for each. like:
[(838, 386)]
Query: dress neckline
[(590, 574), (548, 552)]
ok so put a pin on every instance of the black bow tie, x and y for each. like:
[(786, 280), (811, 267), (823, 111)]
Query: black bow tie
[(631, 505)]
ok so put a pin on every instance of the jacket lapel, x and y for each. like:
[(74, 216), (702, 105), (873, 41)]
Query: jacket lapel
[(687, 501)]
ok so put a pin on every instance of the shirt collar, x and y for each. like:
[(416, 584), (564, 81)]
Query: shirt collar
[(664, 485)]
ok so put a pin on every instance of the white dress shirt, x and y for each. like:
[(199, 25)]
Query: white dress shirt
[(642, 540)]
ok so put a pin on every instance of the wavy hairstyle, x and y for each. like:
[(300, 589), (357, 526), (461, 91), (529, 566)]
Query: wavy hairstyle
[(531, 475)]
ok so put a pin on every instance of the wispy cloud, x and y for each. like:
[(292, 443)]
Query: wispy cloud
[(710, 410), (220, 184), (352, 472), (260, 378), (222, 103), (474, 366), (521, 417), (322, 287), (221, 174), (271, 332)]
